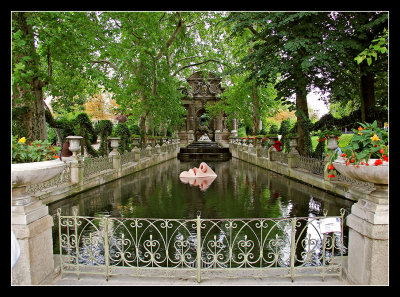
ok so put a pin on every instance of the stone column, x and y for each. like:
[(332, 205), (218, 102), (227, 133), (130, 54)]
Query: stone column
[(234, 131), (115, 155), (368, 251), (31, 223), (148, 151), (136, 154)]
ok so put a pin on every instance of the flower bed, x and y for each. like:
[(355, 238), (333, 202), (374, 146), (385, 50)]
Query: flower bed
[(35, 151)]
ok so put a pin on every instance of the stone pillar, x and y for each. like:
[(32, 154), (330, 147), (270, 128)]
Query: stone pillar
[(136, 151), (190, 136), (368, 252), (116, 157), (36, 244), (148, 151), (234, 131), (157, 149)]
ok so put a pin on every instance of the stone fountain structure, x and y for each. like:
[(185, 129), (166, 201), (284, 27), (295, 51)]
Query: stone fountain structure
[(200, 92)]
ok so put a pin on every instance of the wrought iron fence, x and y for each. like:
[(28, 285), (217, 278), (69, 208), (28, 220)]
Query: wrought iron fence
[(127, 157), (312, 165), (95, 165), (200, 248)]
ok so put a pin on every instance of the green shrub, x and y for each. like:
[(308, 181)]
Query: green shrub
[(36, 151), (121, 130)]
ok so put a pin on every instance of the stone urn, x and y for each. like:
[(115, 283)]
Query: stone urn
[(135, 141), (74, 144), (378, 175), (114, 144), (332, 143)]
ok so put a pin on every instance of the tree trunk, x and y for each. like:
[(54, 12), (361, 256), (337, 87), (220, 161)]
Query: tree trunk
[(256, 118), (302, 119), (367, 89), (35, 121)]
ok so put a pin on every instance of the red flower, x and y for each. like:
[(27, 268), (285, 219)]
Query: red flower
[(382, 151), (330, 167), (386, 158), (343, 155), (378, 162), (366, 164)]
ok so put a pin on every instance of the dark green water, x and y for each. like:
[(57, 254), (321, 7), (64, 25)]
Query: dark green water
[(241, 190)]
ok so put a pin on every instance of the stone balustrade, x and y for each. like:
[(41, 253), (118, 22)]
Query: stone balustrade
[(309, 170)]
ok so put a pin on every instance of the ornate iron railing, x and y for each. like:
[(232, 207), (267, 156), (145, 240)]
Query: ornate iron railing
[(199, 248), (62, 178), (127, 157), (312, 165), (95, 165)]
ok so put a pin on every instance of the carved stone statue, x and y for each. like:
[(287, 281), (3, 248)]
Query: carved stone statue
[(204, 138)]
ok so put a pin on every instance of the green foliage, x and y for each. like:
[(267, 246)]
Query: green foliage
[(328, 121), (368, 141), (273, 129), (18, 115), (284, 131), (121, 130), (242, 132), (378, 45), (104, 128), (36, 151)]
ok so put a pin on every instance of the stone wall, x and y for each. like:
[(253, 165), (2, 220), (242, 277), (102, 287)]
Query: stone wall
[(286, 165), (153, 156)]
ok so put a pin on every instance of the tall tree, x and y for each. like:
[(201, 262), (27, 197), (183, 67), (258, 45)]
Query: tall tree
[(50, 54), (366, 81), (287, 50), (149, 52)]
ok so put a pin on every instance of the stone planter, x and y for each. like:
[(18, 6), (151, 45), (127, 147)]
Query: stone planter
[(368, 225), (135, 141), (74, 144), (31, 222), (373, 174), (114, 145), (24, 174)]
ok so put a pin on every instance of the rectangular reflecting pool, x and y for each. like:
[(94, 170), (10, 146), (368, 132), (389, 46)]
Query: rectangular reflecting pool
[(240, 191)]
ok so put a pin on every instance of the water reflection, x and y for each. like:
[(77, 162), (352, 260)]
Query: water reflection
[(241, 190), (202, 182)]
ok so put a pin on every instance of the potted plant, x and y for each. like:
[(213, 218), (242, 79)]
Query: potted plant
[(366, 157), (32, 163)]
